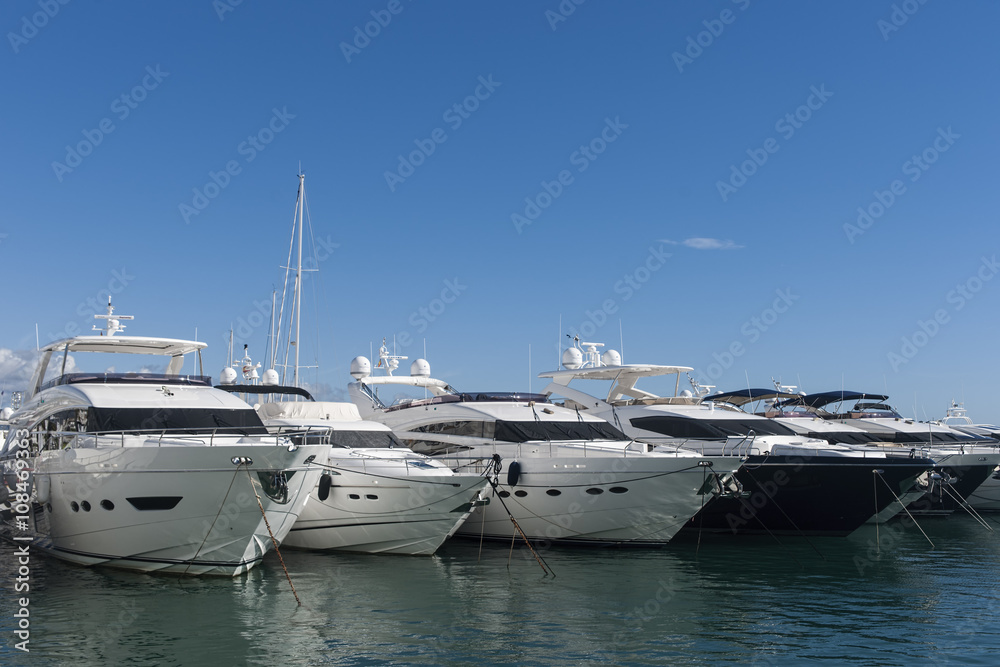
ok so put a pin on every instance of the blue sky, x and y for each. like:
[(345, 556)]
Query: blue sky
[(685, 177)]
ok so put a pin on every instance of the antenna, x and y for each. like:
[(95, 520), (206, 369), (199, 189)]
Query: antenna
[(112, 324), (621, 341)]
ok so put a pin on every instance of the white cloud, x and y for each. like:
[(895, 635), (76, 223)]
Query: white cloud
[(667, 241), (699, 243)]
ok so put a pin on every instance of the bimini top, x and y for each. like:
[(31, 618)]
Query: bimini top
[(741, 397), (170, 347), (827, 397), (613, 372)]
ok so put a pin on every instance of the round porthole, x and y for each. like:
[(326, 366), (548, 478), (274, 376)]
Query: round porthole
[(73, 506), (504, 494), (107, 504), (85, 505), (618, 489), (595, 491), (520, 494), (554, 492), (354, 496)]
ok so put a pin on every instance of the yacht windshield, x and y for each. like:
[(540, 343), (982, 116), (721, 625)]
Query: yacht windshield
[(709, 429), (178, 420), (519, 431)]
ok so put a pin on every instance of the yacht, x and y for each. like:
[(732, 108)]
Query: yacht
[(374, 495), (986, 498), (964, 460), (788, 483), (141, 470), (558, 475)]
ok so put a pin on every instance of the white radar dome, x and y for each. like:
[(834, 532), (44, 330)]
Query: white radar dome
[(270, 377), (360, 367), (6, 413), (611, 358), (227, 376), (420, 368), (572, 358)]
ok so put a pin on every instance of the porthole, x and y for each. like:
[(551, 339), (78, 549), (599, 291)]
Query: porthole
[(504, 494), (107, 504), (48, 506), (354, 496), (85, 505), (73, 506), (520, 494), (371, 496), (554, 492), (618, 489), (595, 491)]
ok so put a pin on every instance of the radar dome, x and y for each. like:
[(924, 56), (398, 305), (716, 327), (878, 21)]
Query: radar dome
[(360, 367), (227, 376), (687, 393), (420, 368), (611, 358), (270, 377), (6, 413), (572, 358)]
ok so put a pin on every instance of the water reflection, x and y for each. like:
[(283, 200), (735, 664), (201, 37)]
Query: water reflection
[(750, 599)]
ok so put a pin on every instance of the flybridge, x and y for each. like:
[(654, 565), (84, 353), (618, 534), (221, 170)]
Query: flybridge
[(108, 342)]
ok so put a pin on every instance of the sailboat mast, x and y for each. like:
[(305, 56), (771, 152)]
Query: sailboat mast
[(298, 277)]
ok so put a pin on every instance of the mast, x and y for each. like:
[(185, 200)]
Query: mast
[(298, 278)]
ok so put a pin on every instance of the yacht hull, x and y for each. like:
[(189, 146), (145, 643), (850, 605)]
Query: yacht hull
[(818, 495), (601, 500), (986, 498), (389, 514), (969, 472), (186, 510)]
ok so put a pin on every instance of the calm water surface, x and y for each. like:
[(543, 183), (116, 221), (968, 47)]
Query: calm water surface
[(743, 600)]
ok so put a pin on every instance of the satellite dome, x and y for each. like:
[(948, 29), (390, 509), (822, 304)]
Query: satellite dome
[(6, 413), (611, 358), (572, 358), (420, 368), (227, 376), (360, 367), (270, 377)]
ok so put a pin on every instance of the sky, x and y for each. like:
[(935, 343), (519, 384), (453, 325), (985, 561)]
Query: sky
[(798, 191)]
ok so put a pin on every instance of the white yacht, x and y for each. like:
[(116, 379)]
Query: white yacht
[(790, 483), (986, 498), (964, 460), (375, 495), (561, 475), (148, 471)]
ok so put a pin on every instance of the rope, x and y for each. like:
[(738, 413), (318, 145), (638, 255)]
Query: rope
[(968, 508), (273, 541), (495, 465), (904, 506), (209, 531)]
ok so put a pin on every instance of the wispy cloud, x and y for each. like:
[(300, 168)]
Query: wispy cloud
[(701, 243)]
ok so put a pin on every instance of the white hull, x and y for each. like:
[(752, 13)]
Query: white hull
[(216, 526), (636, 499), (390, 513), (987, 497)]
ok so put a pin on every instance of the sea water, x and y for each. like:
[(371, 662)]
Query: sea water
[(707, 600)]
